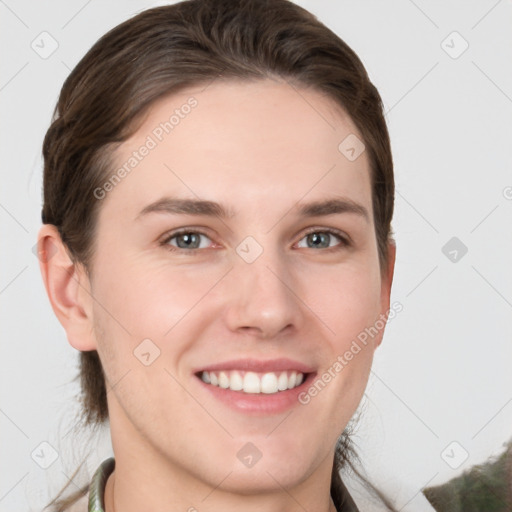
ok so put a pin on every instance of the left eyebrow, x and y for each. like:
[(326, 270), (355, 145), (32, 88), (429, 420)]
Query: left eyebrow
[(173, 205), (332, 207)]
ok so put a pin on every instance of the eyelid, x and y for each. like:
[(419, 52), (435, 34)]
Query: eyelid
[(345, 239), (164, 239), (319, 229)]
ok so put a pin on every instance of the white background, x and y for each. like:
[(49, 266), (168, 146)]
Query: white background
[(443, 371)]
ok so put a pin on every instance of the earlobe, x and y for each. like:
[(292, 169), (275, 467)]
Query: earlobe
[(68, 288)]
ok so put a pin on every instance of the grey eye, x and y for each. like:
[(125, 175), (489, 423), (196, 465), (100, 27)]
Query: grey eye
[(187, 240), (320, 239)]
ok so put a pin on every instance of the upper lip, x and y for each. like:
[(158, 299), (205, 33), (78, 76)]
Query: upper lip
[(258, 365)]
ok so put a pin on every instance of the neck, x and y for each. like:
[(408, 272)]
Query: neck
[(115, 502)]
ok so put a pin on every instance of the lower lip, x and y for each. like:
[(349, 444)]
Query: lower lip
[(258, 403)]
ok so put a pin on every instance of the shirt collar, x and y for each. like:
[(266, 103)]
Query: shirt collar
[(97, 487)]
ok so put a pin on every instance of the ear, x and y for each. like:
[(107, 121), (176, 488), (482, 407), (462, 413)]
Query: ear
[(385, 291), (68, 288)]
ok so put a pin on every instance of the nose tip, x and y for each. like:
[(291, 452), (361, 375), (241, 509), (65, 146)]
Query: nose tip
[(261, 301)]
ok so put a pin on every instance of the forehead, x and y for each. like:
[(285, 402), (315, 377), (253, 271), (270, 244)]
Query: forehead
[(250, 144)]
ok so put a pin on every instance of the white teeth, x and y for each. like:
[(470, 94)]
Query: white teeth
[(282, 382), (269, 383), (223, 380), (236, 382), (252, 382)]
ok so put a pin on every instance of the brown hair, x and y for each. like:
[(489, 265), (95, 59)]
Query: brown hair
[(166, 49)]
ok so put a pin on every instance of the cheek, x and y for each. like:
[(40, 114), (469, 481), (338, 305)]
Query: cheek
[(149, 299), (348, 303), (347, 300), (136, 302)]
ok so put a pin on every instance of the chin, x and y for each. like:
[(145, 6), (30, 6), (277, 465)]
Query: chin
[(267, 478), (260, 465)]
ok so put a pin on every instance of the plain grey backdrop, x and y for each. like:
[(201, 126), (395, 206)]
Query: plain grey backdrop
[(440, 395)]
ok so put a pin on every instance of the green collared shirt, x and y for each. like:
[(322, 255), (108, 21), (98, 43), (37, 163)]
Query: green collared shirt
[(97, 487)]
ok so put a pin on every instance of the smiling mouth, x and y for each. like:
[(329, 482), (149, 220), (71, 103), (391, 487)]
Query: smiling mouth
[(253, 382)]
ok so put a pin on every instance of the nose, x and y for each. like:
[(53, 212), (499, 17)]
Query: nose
[(262, 297)]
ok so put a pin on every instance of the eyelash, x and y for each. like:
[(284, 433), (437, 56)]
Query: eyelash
[(344, 240)]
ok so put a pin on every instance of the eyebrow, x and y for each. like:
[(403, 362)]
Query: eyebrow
[(173, 205)]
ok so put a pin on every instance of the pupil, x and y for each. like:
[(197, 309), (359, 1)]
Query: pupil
[(315, 237), (188, 238)]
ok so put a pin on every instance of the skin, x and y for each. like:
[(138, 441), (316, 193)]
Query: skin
[(261, 149)]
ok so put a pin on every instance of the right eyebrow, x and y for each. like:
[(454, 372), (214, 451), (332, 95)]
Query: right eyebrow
[(173, 205)]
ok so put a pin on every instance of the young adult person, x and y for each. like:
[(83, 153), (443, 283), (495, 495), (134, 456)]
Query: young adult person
[(218, 197)]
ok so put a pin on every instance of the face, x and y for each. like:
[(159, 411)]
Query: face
[(237, 254)]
